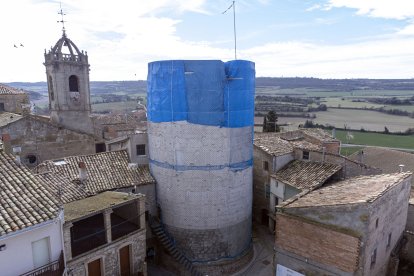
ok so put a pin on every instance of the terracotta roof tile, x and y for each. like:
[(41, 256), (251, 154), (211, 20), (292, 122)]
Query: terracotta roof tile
[(351, 191), (105, 171), (305, 175), (24, 200), (8, 90)]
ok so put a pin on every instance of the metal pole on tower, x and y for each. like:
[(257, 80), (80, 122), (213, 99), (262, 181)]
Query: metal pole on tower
[(234, 27)]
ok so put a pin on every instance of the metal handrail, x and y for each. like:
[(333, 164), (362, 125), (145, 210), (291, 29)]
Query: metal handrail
[(50, 269)]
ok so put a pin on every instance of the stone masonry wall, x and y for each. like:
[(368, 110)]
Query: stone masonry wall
[(109, 255), (13, 103), (329, 247), (47, 141)]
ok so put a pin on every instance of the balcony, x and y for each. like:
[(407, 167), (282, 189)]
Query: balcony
[(55, 268)]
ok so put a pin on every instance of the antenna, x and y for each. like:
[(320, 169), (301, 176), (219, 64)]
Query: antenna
[(62, 20), (233, 5)]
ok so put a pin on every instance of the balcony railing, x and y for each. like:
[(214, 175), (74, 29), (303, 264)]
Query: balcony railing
[(51, 269)]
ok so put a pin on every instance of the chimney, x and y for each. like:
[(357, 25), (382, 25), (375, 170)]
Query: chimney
[(83, 175), (323, 153), (401, 167), (6, 142), (16, 153)]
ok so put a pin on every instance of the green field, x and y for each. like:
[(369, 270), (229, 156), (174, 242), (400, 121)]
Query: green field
[(115, 106), (376, 139), (366, 119)]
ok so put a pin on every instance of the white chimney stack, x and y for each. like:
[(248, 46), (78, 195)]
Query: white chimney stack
[(401, 167), (16, 152), (83, 175)]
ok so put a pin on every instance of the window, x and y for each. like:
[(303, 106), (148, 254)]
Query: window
[(41, 252), (305, 155), (389, 240), (31, 158), (267, 190), (140, 150), (373, 257), (376, 223), (73, 84), (265, 165), (1, 107)]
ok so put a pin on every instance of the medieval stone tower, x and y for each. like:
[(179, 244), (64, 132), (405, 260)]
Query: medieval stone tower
[(67, 72)]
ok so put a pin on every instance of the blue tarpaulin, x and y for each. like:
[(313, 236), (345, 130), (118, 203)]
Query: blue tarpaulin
[(205, 92)]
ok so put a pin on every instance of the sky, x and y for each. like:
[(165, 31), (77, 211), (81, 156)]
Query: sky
[(285, 38)]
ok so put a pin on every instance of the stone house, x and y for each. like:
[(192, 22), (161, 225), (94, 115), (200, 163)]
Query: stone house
[(105, 235), (87, 175), (273, 151), (347, 228), (30, 223), (13, 100), (296, 177), (136, 144), (40, 139)]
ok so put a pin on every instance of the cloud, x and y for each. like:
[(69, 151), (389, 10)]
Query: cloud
[(314, 7), (369, 59), (396, 9)]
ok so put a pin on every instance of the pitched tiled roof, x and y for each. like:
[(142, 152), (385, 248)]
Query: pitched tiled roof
[(319, 134), (305, 175), (387, 160), (351, 191), (8, 90), (24, 201), (105, 171), (280, 143), (272, 144), (8, 118), (63, 188)]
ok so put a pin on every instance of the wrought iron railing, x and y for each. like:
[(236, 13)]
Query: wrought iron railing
[(55, 268)]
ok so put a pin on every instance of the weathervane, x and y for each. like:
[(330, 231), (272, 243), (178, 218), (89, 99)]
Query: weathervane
[(233, 5), (62, 21)]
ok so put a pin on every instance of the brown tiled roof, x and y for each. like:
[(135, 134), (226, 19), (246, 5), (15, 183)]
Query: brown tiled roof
[(8, 90), (280, 143), (8, 118), (63, 188), (387, 160), (351, 191), (305, 145), (305, 175), (24, 201), (318, 133), (272, 144), (106, 171)]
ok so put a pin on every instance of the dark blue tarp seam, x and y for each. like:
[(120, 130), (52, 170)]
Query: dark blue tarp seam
[(233, 166)]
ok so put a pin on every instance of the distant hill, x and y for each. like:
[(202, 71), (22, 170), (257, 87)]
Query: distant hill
[(337, 84), (140, 87)]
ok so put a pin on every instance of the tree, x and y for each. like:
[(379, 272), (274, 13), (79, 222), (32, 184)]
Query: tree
[(386, 131), (270, 122)]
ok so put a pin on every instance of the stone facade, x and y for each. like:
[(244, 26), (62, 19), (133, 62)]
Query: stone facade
[(136, 144), (15, 103), (359, 236), (130, 208), (68, 86), (261, 180), (41, 140)]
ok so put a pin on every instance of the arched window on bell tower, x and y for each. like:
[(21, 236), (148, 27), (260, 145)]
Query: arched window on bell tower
[(73, 84)]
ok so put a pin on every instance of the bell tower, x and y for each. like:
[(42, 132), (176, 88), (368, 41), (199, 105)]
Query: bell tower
[(67, 72)]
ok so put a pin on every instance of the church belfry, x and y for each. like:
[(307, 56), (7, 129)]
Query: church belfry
[(67, 71)]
